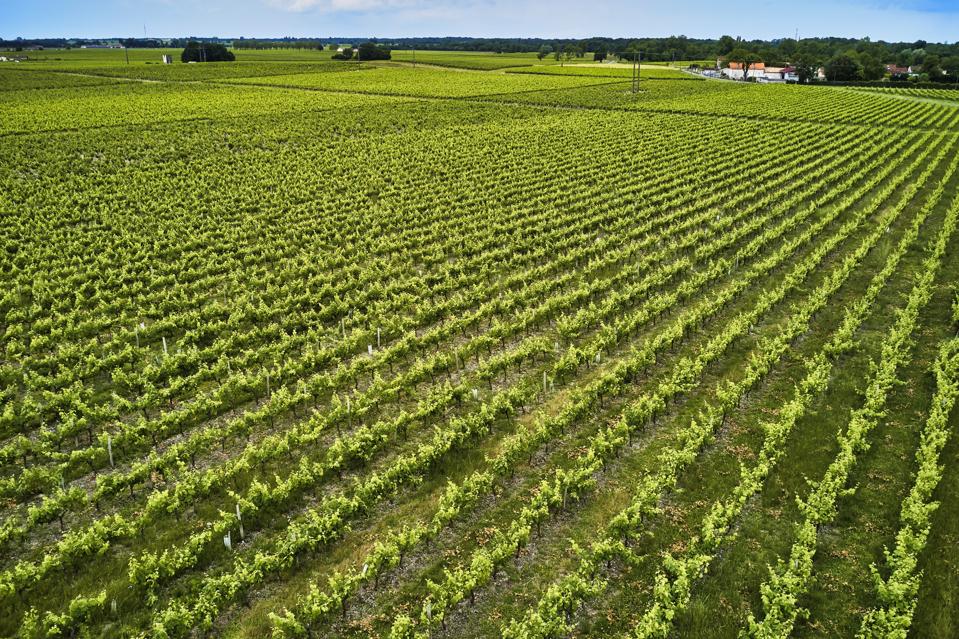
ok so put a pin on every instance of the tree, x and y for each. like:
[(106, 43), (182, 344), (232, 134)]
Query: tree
[(931, 65), (843, 68), (726, 45), (345, 54), (788, 47), (372, 51), (544, 51), (745, 58), (806, 66), (872, 68), (332, 47), (206, 52), (951, 65), (600, 54), (772, 56)]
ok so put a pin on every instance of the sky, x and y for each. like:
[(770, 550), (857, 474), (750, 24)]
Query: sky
[(891, 20)]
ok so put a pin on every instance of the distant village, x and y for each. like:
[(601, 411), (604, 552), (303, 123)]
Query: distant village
[(761, 72)]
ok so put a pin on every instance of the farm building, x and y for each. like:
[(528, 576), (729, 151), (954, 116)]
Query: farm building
[(773, 74), (734, 71)]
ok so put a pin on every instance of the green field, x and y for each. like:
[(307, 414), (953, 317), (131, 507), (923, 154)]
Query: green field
[(75, 58), (294, 347), (646, 71), (951, 94), (470, 60), (425, 82)]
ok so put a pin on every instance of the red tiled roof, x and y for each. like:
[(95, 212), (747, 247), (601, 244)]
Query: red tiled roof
[(755, 66)]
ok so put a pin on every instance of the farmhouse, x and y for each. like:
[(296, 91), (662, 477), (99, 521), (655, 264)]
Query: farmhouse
[(734, 71), (773, 74)]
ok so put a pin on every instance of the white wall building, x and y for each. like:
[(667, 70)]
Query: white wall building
[(734, 71), (773, 74)]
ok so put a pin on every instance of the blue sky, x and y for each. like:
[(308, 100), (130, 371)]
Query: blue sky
[(905, 20)]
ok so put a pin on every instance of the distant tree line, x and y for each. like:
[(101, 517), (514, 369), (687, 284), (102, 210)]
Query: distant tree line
[(659, 49), (654, 49), (142, 43), (844, 59), (251, 43), (132, 43)]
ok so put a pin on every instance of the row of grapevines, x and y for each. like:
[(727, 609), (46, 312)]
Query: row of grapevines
[(102, 452), (898, 593), (672, 590), (187, 553), (788, 582), (147, 519), (461, 580), (217, 590), (457, 497)]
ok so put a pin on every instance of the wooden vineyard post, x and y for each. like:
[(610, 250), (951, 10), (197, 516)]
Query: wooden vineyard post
[(239, 520)]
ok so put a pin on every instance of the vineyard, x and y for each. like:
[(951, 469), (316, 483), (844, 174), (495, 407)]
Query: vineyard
[(480, 347), (951, 94)]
